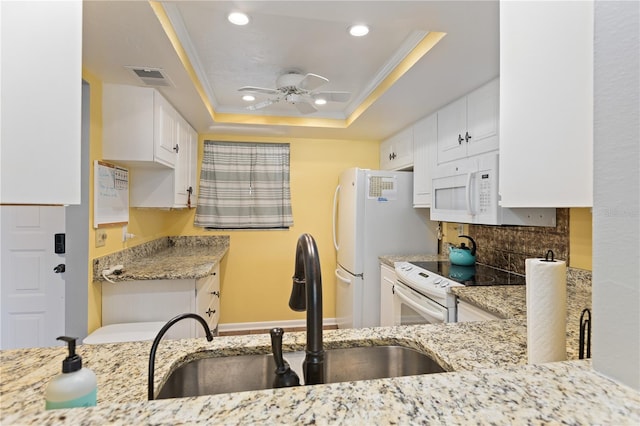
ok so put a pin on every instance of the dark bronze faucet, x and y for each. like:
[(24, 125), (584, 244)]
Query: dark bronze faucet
[(156, 341), (307, 295)]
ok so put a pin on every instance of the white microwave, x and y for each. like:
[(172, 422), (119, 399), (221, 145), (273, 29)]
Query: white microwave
[(466, 191)]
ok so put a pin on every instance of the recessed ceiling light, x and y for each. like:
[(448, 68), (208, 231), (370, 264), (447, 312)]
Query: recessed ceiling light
[(249, 98), (320, 101), (358, 30), (238, 18)]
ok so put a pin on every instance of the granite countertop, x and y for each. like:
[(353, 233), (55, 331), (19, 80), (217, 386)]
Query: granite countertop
[(488, 381), (509, 301), (168, 258), (491, 384)]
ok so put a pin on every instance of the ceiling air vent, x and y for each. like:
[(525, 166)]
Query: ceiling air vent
[(155, 77)]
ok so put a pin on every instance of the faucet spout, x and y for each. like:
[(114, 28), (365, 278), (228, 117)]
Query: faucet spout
[(307, 295), (156, 342)]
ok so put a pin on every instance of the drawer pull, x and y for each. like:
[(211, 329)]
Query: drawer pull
[(215, 293), (210, 312)]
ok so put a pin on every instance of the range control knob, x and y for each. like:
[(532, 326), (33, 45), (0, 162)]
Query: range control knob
[(444, 284)]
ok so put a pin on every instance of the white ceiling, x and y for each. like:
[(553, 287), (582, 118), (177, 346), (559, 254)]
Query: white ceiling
[(310, 36)]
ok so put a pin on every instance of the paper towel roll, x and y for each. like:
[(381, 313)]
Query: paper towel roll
[(546, 284)]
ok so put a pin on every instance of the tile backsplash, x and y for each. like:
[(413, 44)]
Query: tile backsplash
[(507, 247)]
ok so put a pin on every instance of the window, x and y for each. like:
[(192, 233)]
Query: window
[(244, 186)]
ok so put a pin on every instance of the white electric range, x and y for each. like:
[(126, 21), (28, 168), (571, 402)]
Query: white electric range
[(421, 293)]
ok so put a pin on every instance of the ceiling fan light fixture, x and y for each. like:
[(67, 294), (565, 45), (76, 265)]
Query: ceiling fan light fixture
[(238, 18), (248, 98), (358, 30), (320, 101)]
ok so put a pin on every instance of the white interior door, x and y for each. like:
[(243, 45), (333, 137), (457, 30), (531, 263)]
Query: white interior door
[(32, 295)]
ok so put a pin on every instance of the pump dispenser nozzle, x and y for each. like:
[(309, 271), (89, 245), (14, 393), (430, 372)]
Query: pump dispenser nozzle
[(76, 386), (73, 362)]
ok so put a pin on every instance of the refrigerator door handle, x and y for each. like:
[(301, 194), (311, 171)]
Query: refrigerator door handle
[(341, 278), (335, 216)]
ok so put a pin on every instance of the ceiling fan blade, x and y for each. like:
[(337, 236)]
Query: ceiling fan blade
[(312, 82), (262, 104), (258, 90), (305, 107), (332, 96)]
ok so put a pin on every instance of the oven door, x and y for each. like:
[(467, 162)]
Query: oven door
[(411, 307)]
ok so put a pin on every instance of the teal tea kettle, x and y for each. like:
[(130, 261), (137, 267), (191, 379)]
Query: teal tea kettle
[(463, 255)]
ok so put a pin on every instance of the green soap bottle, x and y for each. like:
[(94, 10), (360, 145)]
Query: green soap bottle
[(76, 386)]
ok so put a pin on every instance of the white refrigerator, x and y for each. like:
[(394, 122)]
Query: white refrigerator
[(373, 215)]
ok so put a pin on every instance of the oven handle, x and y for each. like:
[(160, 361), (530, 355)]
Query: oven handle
[(435, 314)]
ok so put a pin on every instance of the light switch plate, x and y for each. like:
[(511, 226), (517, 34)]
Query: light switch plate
[(101, 237)]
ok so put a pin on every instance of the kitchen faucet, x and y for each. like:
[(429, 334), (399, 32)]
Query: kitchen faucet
[(306, 294), (156, 341)]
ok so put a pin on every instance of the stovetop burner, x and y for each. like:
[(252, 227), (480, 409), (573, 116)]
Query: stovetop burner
[(477, 274)]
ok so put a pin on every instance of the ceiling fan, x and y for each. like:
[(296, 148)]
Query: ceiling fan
[(297, 89)]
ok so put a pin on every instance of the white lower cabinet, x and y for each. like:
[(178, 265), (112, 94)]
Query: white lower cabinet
[(468, 312), (387, 279), (161, 300)]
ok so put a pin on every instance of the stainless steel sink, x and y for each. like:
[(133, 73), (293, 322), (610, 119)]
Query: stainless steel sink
[(209, 376)]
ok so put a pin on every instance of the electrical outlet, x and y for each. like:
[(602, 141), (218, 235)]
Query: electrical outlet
[(101, 237), (460, 229)]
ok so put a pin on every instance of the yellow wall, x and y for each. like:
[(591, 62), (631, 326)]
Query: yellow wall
[(257, 270), (580, 238)]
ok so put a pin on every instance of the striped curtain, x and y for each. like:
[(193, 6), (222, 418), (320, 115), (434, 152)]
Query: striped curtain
[(244, 185)]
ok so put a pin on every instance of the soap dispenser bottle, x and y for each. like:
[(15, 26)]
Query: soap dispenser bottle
[(75, 387)]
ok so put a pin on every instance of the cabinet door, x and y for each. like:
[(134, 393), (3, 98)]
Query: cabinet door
[(165, 131), (403, 149), (468, 312), (386, 155), (193, 166), (546, 104), (208, 300), (425, 139), (183, 166), (387, 279), (452, 125), (41, 102), (482, 119), (396, 153)]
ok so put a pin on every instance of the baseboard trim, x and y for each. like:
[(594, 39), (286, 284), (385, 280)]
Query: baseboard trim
[(246, 326)]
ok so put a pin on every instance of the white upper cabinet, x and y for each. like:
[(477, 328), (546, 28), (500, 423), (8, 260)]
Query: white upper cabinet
[(425, 140), (143, 131), (139, 126), (41, 67), (164, 187), (396, 153), (469, 125), (546, 104)]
